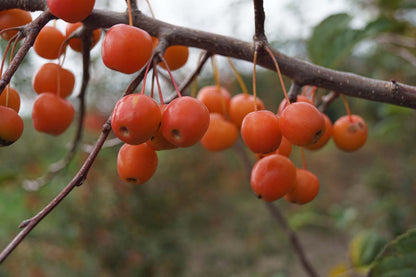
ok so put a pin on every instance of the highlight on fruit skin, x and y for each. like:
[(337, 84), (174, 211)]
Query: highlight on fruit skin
[(11, 126), (350, 132)]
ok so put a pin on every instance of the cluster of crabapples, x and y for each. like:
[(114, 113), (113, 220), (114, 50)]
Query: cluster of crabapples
[(214, 117), (52, 113)]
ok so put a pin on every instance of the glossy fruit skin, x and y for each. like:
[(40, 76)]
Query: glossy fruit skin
[(135, 118), (306, 187), (158, 141), (52, 114), (260, 131), (11, 126), (46, 80), (176, 56), (13, 18), (71, 10), (185, 121), (13, 101), (349, 134), (242, 104), (48, 43), (325, 137), (221, 134), (76, 43), (136, 164), (216, 101), (302, 124), (299, 98), (126, 48), (272, 177)]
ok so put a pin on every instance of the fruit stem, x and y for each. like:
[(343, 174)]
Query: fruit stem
[(130, 15), (145, 74), (9, 43), (170, 75), (238, 77), (347, 107), (254, 79), (150, 8), (218, 84), (302, 153), (158, 85), (278, 73)]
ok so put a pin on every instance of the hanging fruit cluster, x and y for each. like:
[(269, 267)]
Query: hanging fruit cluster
[(213, 117)]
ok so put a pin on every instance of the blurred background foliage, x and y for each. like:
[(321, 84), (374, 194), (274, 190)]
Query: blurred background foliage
[(198, 216)]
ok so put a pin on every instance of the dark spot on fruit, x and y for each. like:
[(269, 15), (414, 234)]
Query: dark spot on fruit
[(176, 134), (259, 196), (318, 135), (131, 180), (5, 142), (124, 131)]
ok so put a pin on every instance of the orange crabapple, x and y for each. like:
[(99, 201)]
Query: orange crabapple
[(52, 114), (260, 131), (185, 121), (302, 124), (240, 105), (136, 164), (306, 187), (135, 118), (272, 177), (221, 134), (216, 100), (11, 126), (126, 48), (349, 132), (10, 98)]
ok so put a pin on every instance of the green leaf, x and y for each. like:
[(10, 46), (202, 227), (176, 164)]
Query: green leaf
[(398, 258), (332, 40)]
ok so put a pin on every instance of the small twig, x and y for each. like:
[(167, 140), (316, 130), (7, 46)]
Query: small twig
[(58, 166), (294, 91), (280, 219), (190, 78), (327, 100), (31, 31), (78, 180), (259, 18)]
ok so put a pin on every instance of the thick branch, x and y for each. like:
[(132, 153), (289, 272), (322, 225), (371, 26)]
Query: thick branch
[(299, 71), (28, 5)]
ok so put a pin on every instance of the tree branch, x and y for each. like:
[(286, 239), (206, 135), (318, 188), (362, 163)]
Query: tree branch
[(299, 71), (259, 18)]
